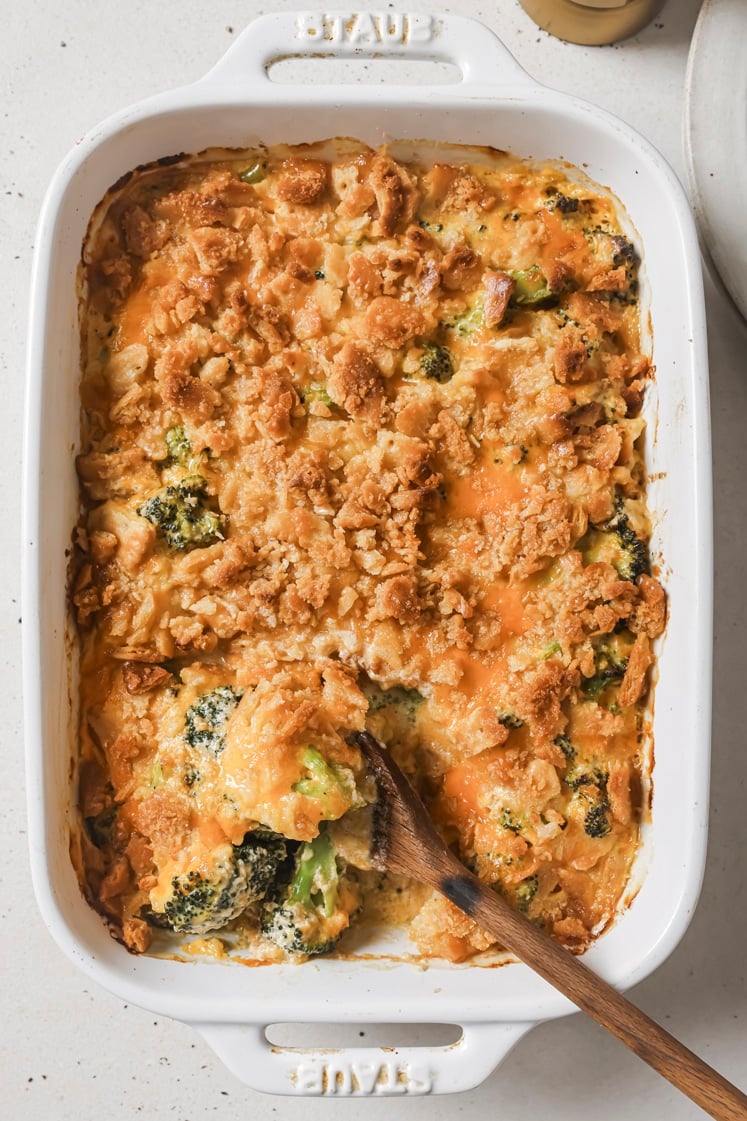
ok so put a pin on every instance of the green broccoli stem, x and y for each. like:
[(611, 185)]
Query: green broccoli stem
[(532, 288), (323, 778), (314, 884)]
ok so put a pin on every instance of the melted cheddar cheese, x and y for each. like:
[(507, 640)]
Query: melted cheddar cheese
[(360, 448)]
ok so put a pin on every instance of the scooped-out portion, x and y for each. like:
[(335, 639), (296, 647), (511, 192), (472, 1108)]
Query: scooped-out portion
[(361, 447)]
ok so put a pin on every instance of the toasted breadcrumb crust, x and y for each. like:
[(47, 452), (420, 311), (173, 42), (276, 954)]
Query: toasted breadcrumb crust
[(353, 429)]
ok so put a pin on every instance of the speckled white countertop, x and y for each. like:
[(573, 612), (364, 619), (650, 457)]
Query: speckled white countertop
[(72, 1052)]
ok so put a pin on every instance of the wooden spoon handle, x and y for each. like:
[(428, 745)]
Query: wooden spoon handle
[(702, 1084)]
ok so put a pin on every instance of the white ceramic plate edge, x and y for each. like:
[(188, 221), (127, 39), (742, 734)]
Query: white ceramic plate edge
[(716, 139)]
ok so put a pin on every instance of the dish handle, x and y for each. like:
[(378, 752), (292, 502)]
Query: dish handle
[(362, 1071), (436, 37)]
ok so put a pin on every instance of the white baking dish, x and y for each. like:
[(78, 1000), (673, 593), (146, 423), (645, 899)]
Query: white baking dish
[(496, 104)]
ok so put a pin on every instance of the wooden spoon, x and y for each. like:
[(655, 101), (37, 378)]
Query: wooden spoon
[(405, 842)]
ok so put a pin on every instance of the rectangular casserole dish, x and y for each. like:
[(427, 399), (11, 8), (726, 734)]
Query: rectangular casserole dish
[(237, 105)]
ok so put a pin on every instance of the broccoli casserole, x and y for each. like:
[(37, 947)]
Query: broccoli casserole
[(360, 448)]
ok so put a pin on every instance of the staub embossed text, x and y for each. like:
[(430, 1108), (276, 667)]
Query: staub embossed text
[(366, 29), (346, 1078)]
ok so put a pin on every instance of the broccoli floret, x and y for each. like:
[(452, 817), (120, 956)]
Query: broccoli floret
[(510, 720), (526, 891), (436, 363), (180, 454), (596, 822), (566, 747), (624, 252), (394, 712), (633, 558), (326, 781), (610, 664), (532, 289), (199, 903), (558, 201), (407, 701), (178, 446), (617, 544), (181, 516), (508, 820), (467, 322), (315, 907), (590, 785), (205, 721), (578, 778)]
